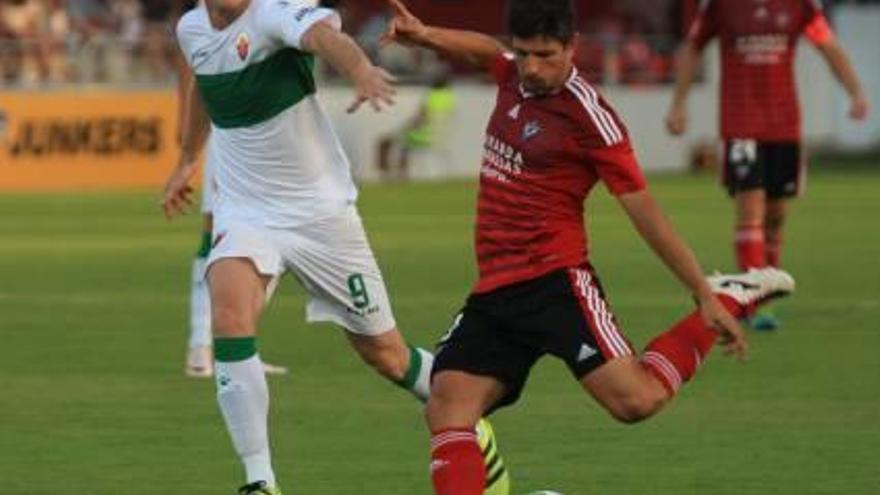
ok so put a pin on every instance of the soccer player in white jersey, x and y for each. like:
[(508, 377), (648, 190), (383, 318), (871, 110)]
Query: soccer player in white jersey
[(199, 361), (285, 199)]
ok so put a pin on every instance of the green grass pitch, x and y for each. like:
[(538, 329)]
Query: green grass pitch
[(93, 317)]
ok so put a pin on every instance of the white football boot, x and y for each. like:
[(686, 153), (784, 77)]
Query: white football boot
[(754, 287)]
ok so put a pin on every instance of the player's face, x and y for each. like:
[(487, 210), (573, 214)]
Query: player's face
[(544, 63)]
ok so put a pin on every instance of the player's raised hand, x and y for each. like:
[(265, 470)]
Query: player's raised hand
[(858, 108), (372, 85), (676, 120), (732, 337), (404, 27), (177, 195)]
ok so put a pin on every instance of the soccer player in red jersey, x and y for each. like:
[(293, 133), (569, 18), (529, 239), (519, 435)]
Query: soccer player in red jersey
[(549, 141), (760, 116)]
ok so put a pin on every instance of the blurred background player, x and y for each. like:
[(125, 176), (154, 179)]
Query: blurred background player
[(199, 361), (285, 200), (764, 163), (550, 140), (425, 132)]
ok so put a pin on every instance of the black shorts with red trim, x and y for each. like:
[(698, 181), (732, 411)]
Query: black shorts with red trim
[(503, 333), (775, 167)]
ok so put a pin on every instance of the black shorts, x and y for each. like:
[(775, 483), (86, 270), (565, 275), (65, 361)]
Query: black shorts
[(775, 167), (503, 333)]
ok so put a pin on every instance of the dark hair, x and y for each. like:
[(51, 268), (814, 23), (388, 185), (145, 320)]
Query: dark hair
[(548, 18)]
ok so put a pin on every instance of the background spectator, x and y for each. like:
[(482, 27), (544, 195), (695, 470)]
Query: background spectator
[(130, 41), (22, 21), (156, 33), (92, 24)]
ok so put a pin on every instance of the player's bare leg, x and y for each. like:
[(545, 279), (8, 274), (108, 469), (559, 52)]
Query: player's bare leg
[(200, 351), (384, 151), (633, 388), (626, 390), (410, 368), (749, 240), (390, 356), (200, 359), (457, 402), (774, 221), (758, 223), (238, 293)]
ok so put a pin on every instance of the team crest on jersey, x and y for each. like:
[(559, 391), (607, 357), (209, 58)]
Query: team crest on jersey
[(243, 46), (514, 112), (531, 129)]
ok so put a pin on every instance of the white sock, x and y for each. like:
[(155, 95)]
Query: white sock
[(244, 401), (418, 380), (199, 307)]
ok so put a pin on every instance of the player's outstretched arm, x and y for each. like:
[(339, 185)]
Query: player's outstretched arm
[(653, 226), (474, 48), (371, 84), (840, 65), (177, 195), (686, 61)]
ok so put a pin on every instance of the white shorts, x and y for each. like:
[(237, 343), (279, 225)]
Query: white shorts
[(330, 257)]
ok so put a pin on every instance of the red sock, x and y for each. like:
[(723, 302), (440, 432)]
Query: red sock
[(674, 356), (749, 244), (457, 463), (773, 250)]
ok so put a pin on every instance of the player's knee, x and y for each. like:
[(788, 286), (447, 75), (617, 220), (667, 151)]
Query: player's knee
[(454, 404), (227, 322), (637, 407)]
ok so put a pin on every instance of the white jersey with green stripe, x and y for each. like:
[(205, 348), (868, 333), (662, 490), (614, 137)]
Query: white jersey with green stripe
[(277, 160)]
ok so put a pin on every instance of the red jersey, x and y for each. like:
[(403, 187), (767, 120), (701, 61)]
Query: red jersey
[(541, 158), (758, 41)]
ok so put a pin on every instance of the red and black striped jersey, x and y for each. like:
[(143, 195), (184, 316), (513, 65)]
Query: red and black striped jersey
[(541, 157), (758, 42)]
